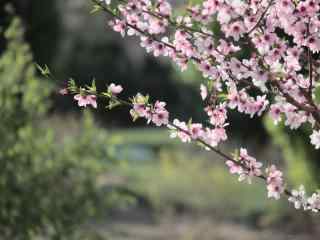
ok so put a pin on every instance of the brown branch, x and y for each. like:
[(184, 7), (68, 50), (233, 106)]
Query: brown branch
[(260, 19), (310, 62), (308, 108), (310, 71)]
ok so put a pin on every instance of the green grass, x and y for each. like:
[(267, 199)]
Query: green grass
[(144, 136), (172, 174), (179, 177)]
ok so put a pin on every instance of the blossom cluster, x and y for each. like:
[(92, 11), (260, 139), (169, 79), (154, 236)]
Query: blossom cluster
[(155, 113), (275, 184), (278, 76), (283, 36), (300, 200), (86, 100), (244, 165)]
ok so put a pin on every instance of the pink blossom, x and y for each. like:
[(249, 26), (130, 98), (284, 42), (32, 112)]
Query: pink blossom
[(261, 104), (115, 89), (237, 68), (247, 168), (286, 6), (203, 91), (119, 26), (295, 119), (235, 30), (220, 134), (275, 184), (158, 49), (233, 97), (314, 202), (224, 15), (259, 79), (275, 113), (214, 136), (315, 139), (142, 110), (275, 190), (233, 167), (251, 166), (160, 117), (164, 8), (226, 47), (158, 106), (84, 100), (313, 43), (156, 26), (218, 114), (63, 91), (196, 130), (147, 43), (253, 170), (207, 70), (180, 130), (210, 138), (298, 198)]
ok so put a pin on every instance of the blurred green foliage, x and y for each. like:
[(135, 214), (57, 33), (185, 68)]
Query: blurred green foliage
[(48, 186)]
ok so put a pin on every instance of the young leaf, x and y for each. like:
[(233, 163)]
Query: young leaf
[(45, 71), (96, 8), (93, 85), (72, 86)]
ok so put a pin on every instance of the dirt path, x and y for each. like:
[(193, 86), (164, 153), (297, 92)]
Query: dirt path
[(191, 229)]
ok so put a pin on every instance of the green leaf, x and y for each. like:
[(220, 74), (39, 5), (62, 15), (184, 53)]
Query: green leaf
[(106, 94), (134, 115), (223, 96), (72, 86), (45, 71), (96, 8), (92, 89), (93, 85)]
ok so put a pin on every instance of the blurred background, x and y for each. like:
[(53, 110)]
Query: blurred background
[(67, 173)]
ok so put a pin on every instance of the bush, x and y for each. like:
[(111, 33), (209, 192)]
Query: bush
[(48, 187)]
